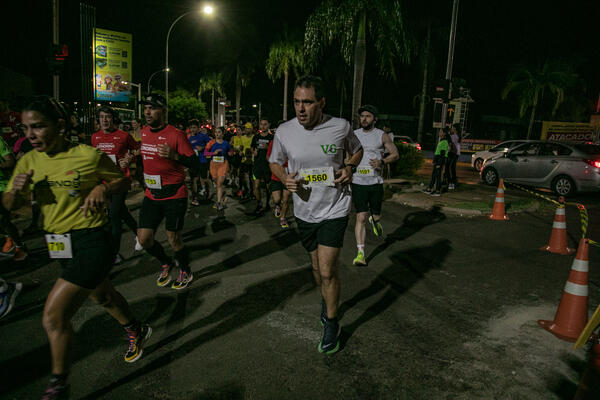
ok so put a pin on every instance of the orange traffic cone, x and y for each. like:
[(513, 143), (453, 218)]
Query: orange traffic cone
[(558, 237), (572, 313), (498, 210)]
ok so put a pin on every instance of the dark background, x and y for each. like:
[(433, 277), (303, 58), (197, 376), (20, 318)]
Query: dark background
[(492, 37)]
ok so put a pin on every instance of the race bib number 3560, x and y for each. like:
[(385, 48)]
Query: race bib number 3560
[(59, 246), (318, 176)]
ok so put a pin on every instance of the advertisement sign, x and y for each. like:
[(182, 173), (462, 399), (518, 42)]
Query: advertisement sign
[(112, 65), (473, 145), (569, 132)]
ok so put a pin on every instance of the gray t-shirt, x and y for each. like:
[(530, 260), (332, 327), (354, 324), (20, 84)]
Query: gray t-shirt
[(321, 147)]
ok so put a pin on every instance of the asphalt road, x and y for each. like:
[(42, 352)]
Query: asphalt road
[(446, 309)]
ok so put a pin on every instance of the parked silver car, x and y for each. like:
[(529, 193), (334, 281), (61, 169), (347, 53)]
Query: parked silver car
[(479, 157), (562, 167)]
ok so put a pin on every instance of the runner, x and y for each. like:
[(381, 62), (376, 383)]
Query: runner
[(314, 144), (281, 196), (120, 148), (219, 152), (165, 151), (246, 167), (236, 159), (198, 140), (69, 186), (367, 183), (13, 244), (261, 172)]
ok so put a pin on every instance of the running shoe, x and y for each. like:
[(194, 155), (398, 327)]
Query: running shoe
[(138, 246), (9, 245), (20, 254), (377, 228), (277, 211), (137, 339), (165, 276), (7, 299), (57, 389), (427, 190), (202, 192), (360, 259), (436, 194), (283, 223), (183, 280), (216, 205), (118, 259), (451, 186), (195, 201), (330, 343), (323, 312), (239, 193)]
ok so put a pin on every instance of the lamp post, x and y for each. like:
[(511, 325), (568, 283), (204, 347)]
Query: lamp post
[(156, 72), (208, 10), (139, 90)]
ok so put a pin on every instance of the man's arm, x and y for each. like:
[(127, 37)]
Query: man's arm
[(391, 148)]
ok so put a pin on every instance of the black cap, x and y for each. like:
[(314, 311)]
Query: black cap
[(155, 100), (369, 108)]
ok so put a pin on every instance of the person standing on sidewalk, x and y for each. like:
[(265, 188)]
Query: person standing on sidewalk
[(453, 154), (440, 158), (120, 148), (314, 145), (72, 185), (367, 182), (165, 151)]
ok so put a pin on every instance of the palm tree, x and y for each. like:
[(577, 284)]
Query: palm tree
[(242, 78), (350, 22), (213, 82), (284, 55), (530, 86)]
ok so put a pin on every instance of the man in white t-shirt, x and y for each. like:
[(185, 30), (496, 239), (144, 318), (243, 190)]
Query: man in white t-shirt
[(367, 183), (314, 145)]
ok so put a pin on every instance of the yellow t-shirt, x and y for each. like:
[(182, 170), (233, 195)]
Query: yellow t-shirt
[(247, 149), (62, 182)]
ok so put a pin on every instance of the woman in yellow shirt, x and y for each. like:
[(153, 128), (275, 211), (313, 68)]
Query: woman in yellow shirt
[(71, 184)]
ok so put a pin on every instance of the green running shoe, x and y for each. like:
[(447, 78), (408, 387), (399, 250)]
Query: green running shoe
[(360, 259), (377, 228)]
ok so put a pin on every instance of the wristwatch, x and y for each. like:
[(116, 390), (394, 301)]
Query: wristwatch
[(352, 167)]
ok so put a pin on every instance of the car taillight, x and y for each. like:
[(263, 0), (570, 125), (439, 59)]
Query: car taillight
[(404, 142), (593, 163), (418, 146)]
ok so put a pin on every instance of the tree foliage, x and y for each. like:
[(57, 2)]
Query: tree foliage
[(211, 81), (284, 56), (337, 22), (183, 106)]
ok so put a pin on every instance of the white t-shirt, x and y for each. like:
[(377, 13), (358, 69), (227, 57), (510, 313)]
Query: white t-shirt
[(373, 149), (321, 147)]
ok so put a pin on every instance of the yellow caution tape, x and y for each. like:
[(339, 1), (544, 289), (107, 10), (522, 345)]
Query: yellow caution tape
[(589, 329), (536, 194)]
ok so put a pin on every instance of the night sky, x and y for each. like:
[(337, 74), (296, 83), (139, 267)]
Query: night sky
[(492, 37)]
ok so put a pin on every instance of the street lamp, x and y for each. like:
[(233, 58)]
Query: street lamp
[(207, 10), (139, 88), (156, 72)]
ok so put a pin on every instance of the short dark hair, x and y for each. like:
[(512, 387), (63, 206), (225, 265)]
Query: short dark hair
[(311, 81), (108, 110), (193, 122)]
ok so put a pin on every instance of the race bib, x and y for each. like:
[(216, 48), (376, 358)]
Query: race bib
[(152, 181), (59, 246), (113, 158), (365, 171), (219, 159), (317, 176)]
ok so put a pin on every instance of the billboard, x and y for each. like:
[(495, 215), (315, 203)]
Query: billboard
[(569, 132), (112, 65)]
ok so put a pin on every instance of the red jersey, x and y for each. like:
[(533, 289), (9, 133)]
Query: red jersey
[(115, 144), (159, 171)]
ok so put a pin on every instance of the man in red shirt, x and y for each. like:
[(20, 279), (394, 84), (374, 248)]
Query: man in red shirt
[(119, 146), (165, 152)]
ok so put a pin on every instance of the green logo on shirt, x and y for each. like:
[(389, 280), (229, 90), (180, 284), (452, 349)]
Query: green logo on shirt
[(329, 148)]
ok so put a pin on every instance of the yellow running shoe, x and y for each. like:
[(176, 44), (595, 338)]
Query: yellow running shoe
[(360, 259)]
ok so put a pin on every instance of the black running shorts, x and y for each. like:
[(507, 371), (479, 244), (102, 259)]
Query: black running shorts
[(326, 233), (275, 186), (93, 258), (367, 198), (153, 212), (201, 172), (261, 171)]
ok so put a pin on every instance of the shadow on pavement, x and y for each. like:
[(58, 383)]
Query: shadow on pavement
[(407, 268), (411, 224), (258, 300), (101, 330)]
